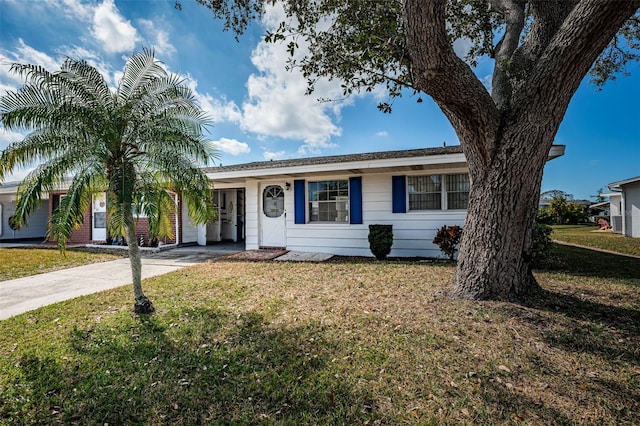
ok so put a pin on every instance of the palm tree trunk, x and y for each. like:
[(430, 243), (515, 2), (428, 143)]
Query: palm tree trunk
[(142, 304)]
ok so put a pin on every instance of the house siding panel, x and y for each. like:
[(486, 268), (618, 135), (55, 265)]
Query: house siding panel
[(36, 225), (188, 231), (632, 210), (251, 215), (413, 231)]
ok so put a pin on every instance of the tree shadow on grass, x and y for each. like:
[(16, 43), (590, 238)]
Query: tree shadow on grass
[(205, 368), (611, 332), (585, 262)]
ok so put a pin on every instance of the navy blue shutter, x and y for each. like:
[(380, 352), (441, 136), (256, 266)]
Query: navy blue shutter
[(355, 200), (300, 216), (399, 194)]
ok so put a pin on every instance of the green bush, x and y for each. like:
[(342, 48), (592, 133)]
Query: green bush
[(448, 238), (545, 216), (541, 242), (567, 212), (380, 240)]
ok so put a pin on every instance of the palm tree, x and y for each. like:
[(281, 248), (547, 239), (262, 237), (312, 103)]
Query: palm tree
[(138, 143)]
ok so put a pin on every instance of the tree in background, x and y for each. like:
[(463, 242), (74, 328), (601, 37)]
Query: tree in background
[(542, 50), (138, 143), (565, 212)]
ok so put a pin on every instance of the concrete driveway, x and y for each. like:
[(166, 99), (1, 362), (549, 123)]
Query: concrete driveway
[(28, 293)]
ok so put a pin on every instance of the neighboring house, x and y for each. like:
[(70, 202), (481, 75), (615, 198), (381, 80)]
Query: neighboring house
[(94, 226), (37, 224), (326, 204), (624, 206), (92, 230)]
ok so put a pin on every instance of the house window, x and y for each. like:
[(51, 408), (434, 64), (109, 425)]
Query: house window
[(439, 192), (329, 201), (425, 192), (457, 191)]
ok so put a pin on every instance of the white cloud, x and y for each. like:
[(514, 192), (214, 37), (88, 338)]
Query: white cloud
[(23, 53), (462, 46), (73, 9), (114, 32), (218, 110), (26, 53), (7, 137), (382, 134), (232, 146), (277, 104), (270, 155), (487, 81), (159, 39)]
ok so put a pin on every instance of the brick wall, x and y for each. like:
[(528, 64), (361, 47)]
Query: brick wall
[(82, 235)]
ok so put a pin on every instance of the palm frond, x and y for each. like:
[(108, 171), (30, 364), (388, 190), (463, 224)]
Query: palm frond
[(70, 213), (141, 68)]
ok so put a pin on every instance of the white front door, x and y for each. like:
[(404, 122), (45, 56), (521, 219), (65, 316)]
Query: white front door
[(273, 227), (99, 217)]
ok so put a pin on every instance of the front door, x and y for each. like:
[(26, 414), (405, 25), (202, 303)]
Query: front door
[(272, 233), (99, 217)]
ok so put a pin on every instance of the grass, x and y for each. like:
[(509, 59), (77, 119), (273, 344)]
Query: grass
[(588, 236), (19, 262), (332, 343)]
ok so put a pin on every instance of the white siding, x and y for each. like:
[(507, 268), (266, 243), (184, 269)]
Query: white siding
[(413, 231), (251, 215), (36, 224), (189, 230), (632, 210)]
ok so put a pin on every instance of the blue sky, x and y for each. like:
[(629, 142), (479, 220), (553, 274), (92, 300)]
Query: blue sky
[(259, 109)]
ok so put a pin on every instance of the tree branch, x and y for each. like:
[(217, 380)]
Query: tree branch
[(562, 65), (513, 12), (439, 72)]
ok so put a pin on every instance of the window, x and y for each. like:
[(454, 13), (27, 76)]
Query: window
[(425, 192), (438, 192), (329, 201), (272, 201), (458, 191)]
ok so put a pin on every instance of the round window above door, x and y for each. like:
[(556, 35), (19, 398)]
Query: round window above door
[(273, 201)]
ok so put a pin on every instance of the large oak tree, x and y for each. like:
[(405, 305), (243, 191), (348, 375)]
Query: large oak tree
[(542, 50)]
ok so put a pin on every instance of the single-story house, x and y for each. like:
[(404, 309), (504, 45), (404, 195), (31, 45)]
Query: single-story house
[(624, 206), (326, 204)]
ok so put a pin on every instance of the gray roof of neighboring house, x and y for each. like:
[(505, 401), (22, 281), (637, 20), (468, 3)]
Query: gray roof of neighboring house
[(333, 159), (618, 184)]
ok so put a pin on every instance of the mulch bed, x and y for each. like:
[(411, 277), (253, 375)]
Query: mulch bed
[(261, 254)]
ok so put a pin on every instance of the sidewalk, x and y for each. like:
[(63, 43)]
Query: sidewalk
[(28, 293)]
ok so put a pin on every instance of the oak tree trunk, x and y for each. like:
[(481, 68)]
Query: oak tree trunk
[(495, 255)]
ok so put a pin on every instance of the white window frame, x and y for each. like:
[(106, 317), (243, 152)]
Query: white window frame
[(443, 192), (342, 199)]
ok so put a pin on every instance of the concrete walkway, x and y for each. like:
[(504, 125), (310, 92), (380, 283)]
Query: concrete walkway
[(28, 293)]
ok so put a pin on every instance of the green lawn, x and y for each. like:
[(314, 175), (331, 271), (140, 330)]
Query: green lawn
[(589, 236), (332, 343), (19, 262)]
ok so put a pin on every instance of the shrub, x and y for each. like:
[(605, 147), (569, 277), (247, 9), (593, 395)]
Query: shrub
[(541, 242), (448, 239), (545, 216), (13, 223), (380, 240)]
